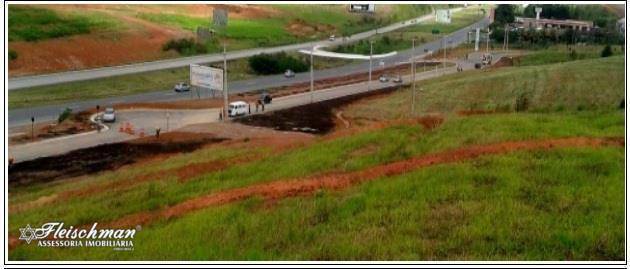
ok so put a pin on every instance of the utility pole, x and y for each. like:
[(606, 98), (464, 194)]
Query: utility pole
[(32, 128), (488, 41), (370, 70), (312, 51), (444, 47), (225, 88), (413, 76), (507, 38)]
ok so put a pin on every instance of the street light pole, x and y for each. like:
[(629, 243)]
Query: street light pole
[(413, 76), (488, 41), (444, 47), (370, 70), (225, 88), (312, 50)]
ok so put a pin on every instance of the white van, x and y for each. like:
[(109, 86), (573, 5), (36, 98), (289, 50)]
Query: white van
[(237, 108)]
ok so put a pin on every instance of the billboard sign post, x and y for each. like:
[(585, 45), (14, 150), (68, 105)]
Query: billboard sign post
[(206, 77)]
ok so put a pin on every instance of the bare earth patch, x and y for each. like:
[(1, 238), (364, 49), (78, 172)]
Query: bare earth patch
[(288, 188)]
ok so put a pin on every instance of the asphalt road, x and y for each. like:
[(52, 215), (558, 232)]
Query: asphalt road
[(22, 116), (55, 78), (147, 120)]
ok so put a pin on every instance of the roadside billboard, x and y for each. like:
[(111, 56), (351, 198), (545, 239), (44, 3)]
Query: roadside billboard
[(443, 16), (206, 77)]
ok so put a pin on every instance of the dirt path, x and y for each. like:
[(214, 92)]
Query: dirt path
[(304, 186), (288, 188)]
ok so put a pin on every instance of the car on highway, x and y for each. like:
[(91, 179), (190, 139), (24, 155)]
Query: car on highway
[(181, 87), (383, 78), (265, 98), (109, 115), (289, 73), (237, 108), (397, 79)]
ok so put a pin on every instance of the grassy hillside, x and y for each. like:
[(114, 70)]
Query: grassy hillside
[(29, 23), (570, 86), (561, 203)]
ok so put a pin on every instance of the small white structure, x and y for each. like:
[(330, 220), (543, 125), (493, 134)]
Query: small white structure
[(366, 8), (443, 16), (237, 108)]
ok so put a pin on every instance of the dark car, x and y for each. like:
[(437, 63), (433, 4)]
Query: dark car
[(265, 98)]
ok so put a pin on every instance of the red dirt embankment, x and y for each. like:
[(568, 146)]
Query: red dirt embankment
[(288, 188)]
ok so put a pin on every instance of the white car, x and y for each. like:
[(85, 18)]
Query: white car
[(331, 38), (397, 79), (289, 73), (237, 108), (109, 115), (181, 87), (383, 78)]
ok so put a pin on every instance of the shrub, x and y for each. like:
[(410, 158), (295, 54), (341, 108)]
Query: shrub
[(607, 51), (64, 115), (12, 55), (522, 103), (185, 46), (267, 64)]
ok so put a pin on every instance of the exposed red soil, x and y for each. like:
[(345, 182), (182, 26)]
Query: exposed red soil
[(503, 62), (275, 190), (301, 28), (239, 136), (430, 122), (76, 123), (304, 186), (141, 42)]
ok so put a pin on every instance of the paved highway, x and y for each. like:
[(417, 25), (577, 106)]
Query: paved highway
[(55, 78), (45, 113), (148, 120)]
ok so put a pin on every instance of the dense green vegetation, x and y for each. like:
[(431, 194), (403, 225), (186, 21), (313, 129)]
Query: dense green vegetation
[(12, 55), (266, 64), (185, 46), (606, 31), (600, 16), (30, 23)]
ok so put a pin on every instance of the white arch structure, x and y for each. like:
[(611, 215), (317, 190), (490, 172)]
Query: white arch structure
[(316, 51)]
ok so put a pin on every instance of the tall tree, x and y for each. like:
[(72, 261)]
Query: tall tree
[(504, 14)]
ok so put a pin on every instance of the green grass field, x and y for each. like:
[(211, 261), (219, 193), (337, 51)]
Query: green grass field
[(570, 86), (272, 31), (394, 143), (28, 23), (552, 204), (562, 53)]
